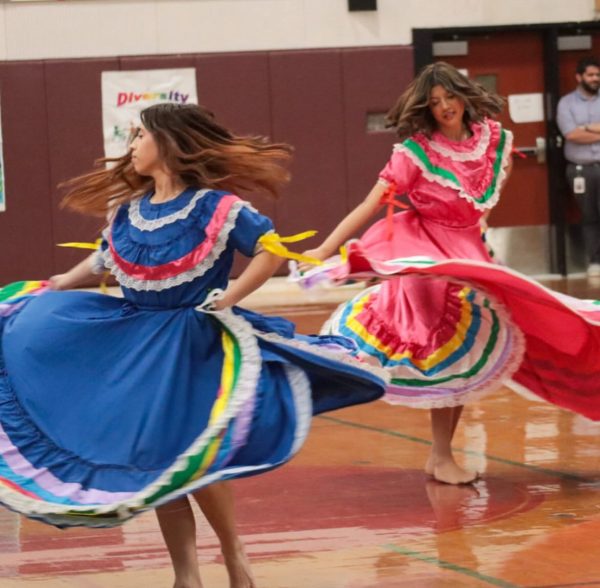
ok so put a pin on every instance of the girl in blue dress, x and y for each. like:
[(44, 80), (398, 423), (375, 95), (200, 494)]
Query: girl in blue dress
[(112, 406)]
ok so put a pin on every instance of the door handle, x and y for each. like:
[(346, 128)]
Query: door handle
[(539, 150)]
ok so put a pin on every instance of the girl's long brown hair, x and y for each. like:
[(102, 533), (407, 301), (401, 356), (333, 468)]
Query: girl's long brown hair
[(196, 149), (411, 113)]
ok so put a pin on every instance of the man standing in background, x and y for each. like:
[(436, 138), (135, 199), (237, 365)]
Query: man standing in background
[(578, 119)]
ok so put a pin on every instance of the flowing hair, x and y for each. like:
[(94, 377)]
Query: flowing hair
[(411, 113), (194, 147)]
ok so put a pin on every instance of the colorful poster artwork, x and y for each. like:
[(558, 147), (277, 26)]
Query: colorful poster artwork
[(126, 93)]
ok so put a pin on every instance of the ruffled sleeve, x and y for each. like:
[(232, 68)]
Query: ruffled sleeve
[(250, 225), (98, 266), (401, 171)]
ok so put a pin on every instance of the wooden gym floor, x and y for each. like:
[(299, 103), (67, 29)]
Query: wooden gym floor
[(355, 510)]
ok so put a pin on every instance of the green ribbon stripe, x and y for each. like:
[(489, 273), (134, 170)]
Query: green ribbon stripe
[(441, 172)]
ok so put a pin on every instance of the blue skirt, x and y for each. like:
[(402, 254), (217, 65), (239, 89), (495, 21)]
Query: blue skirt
[(108, 409)]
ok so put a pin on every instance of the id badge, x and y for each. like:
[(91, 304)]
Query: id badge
[(579, 185)]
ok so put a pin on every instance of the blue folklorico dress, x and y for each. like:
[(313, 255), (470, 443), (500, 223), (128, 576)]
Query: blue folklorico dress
[(111, 406)]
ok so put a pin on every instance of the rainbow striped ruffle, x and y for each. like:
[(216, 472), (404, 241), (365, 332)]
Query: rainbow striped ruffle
[(550, 342), (12, 294), (39, 494), (471, 353)]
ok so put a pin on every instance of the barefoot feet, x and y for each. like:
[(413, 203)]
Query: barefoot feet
[(448, 471), (192, 582), (238, 568)]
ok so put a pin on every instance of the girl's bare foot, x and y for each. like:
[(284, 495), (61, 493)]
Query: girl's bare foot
[(238, 568), (449, 472), (189, 583), (429, 466)]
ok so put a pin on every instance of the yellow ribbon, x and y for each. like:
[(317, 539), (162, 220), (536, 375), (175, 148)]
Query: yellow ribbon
[(94, 246), (343, 254), (272, 242), (82, 245)]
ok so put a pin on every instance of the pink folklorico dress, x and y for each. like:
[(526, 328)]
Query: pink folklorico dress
[(449, 323)]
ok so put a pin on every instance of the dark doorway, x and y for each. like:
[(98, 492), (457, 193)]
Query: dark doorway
[(533, 63)]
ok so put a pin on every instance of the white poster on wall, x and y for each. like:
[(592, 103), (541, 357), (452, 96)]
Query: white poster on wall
[(526, 108), (126, 93), (2, 183)]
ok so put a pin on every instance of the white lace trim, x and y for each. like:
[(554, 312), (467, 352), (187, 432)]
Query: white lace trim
[(302, 395), (207, 263), (502, 379), (477, 152), (245, 389), (97, 265), (319, 351), (143, 224), (491, 201), (475, 392)]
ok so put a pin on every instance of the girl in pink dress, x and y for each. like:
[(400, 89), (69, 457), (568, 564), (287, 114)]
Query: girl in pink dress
[(450, 324)]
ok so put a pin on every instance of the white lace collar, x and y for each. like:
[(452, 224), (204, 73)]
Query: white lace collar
[(477, 152), (143, 224)]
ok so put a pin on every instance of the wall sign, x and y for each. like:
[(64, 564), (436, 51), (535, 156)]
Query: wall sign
[(126, 93), (525, 108)]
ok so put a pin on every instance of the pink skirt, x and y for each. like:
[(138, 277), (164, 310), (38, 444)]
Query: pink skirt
[(451, 329)]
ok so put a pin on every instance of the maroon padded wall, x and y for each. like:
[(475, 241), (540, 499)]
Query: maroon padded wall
[(235, 86), (307, 110), (316, 100), (373, 80), (26, 228), (73, 96)]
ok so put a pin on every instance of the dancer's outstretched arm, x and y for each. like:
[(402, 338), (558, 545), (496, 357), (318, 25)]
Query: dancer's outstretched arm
[(349, 225), (77, 275), (259, 270)]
